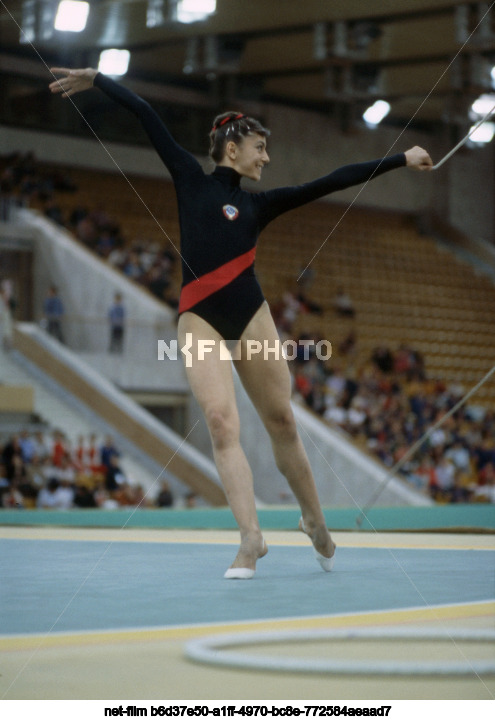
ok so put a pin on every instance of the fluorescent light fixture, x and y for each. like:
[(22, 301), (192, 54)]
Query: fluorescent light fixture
[(71, 16), (376, 112), (28, 22), (155, 13), (191, 11), (483, 134), (114, 62), (483, 105), (493, 75)]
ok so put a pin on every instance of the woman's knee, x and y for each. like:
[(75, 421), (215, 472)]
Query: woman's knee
[(223, 425), (281, 423)]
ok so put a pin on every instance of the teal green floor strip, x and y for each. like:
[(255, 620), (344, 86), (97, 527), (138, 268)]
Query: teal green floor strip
[(474, 517)]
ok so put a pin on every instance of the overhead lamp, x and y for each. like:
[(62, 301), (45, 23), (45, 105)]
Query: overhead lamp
[(114, 62), (71, 16), (376, 112), (28, 22), (483, 105), (191, 11), (155, 13), (484, 134)]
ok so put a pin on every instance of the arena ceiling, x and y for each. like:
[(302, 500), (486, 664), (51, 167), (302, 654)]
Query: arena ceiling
[(428, 58)]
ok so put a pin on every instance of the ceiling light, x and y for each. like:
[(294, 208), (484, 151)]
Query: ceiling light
[(71, 16), (483, 105), (28, 22), (155, 13), (483, 134), (190, 11), (376, 112), (114, 62)]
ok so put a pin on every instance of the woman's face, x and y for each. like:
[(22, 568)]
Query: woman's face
[(249, 156)]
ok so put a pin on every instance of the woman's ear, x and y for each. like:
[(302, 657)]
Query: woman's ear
[(231, 150)]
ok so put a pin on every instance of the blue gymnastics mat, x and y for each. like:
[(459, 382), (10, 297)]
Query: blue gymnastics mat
[(51, 586)]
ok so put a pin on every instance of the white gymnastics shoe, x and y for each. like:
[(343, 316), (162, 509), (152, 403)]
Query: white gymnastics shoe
[(240, 573), (325, 563)]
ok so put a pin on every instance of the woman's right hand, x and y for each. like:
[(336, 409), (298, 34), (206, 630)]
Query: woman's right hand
[(418, 159), (72, 81)]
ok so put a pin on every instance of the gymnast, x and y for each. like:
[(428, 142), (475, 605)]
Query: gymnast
[(222, 300)]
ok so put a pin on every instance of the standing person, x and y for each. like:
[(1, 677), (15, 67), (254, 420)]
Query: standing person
[(221, 299), (116, 317), (6, 324), (53, 310)]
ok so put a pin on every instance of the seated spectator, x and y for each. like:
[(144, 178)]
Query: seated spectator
[(59, 448), (191, 500), (459, 455), (36, 473), (104, 499), (383, 359), (84, 496), (93, 455), (4, 483), (56, 495), (78, 213), (65, 471), (12, 496), (118, 255), (343, 304), (108, 453), (12, 457), (132, 267), (28, 446), (87, 232), (53, 211), (336, 414), (164, 498), (485, 491), (41, 446), (347, 347), (114, 476)]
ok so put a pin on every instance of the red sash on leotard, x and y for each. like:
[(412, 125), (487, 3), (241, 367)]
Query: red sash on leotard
[(199, 289)]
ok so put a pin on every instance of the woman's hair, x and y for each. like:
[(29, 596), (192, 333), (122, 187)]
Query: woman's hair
[(232, 126)]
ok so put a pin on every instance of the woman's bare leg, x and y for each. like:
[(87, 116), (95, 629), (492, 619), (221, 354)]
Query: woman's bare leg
[(212, 384), (267, 382)]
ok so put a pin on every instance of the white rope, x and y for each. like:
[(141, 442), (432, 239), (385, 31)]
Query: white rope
[(464, 140), (211, 650)]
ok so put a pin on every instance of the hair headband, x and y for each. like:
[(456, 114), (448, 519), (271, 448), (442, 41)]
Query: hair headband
[(228, 120)]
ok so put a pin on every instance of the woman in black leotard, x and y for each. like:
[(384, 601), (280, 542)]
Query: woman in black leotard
[(221, 299)]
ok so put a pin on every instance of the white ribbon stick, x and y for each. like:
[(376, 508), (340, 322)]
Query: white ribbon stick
[(464, 140)]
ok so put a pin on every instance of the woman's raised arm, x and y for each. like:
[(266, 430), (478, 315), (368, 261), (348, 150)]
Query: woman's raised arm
[(176, 159)]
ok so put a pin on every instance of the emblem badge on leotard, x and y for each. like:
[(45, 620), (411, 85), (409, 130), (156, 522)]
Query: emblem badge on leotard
[(230, 212)]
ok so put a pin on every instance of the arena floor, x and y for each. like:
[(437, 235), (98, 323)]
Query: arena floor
[(102, 613)]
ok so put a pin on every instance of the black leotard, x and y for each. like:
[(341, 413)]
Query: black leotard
[(220, 223)]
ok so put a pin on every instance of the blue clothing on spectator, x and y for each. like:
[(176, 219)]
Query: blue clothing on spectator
[(53, 307), (116, 315)]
